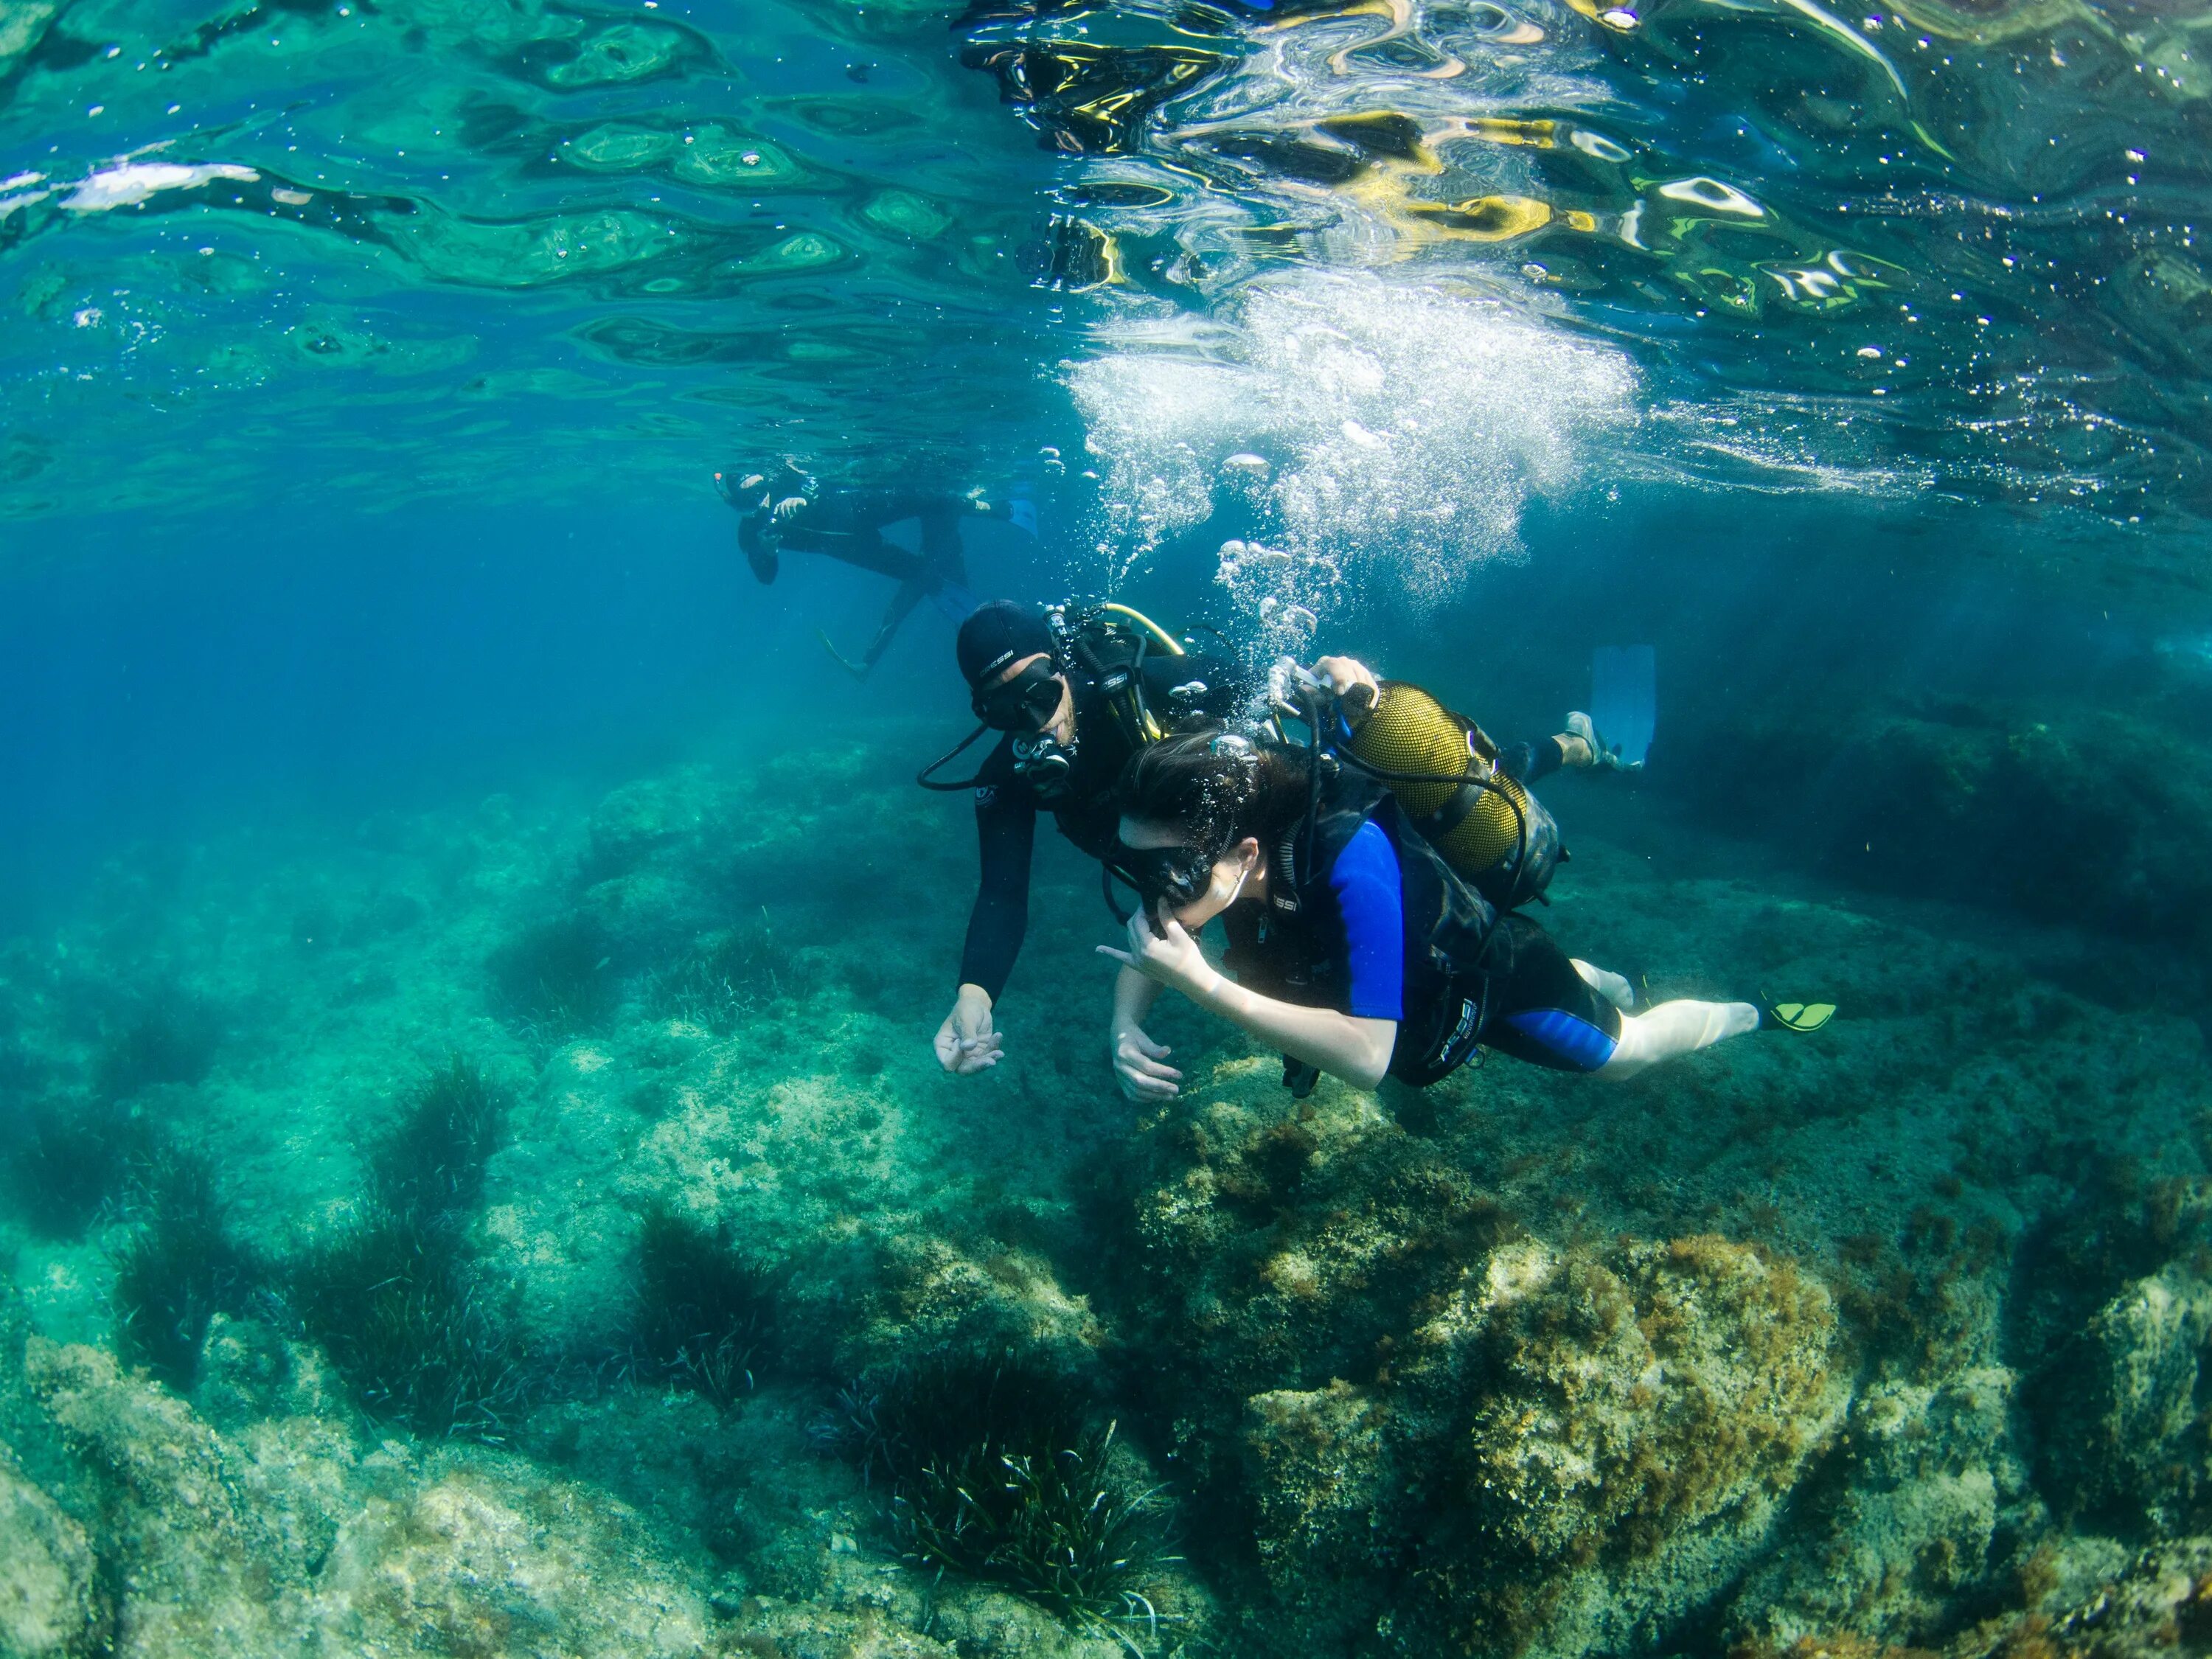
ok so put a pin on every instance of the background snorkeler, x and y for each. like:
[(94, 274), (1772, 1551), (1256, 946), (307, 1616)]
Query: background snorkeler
[(788, 508)]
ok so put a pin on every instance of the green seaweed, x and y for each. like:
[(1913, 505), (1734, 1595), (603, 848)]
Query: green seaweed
[(1000, 1473), (705, 1313), (162, 1037), (727, 978), (395, 1302), (70, 1158), (395, 1298), (176, 1269), (431, 1162), (553, 979)]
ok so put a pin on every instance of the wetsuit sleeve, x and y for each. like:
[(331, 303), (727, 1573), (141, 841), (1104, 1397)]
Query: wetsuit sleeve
[(1005, 832), (1369, 899)]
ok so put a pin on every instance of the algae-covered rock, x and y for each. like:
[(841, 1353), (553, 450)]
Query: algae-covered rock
[(1324, 1472), (2121, 1409), (1926, 1486), (207, 1570), (50, 1604), (803, 1630), (1637, 1418), (24, 24), (281, 1539), (1516, 1446), (2115, 803), (2101, 1603), (635, 820), (492, 1557)]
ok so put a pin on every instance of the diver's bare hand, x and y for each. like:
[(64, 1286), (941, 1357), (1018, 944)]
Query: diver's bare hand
[(1353, 682), (1168, 955), (789, 509), (1138, 1065), (968, 1043)]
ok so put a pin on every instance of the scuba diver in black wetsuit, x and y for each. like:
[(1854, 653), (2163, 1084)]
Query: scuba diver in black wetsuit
[(1078, 694), (1076, 691), (787, 507)]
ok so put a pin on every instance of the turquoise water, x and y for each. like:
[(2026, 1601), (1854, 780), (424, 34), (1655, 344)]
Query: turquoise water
[(473, 1175)]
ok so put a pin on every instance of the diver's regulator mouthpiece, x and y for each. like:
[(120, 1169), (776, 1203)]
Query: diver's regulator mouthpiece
[(1044, 763)]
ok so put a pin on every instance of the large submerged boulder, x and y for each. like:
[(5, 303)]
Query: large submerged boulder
[(290, 1538), (1451, 1434), (1924, 1493), (2115, 802), (495, 1557), (206, 1569), (1620, 1429), (50, 1602), (24, 24), (2128, 1436)]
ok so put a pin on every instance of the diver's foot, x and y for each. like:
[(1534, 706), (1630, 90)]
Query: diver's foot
[(1603, 756), (1737, 1019)]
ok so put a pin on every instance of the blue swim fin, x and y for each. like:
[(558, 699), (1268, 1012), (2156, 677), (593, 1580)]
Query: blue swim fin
[(1625, 699), (955, 601)]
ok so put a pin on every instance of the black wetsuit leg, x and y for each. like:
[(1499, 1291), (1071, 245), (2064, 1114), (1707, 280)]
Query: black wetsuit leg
[(943, 559), (911, 593), (866, 549), (1528, 762), (942, 550), (1539, 1009)]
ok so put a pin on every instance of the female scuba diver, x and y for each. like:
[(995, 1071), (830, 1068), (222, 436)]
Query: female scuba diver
[(1356, 949)]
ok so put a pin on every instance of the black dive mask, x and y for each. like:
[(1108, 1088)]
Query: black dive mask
[(1024, 702), (1178, 875)]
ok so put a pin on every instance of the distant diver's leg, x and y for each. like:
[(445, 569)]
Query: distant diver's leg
[(942, 550), (1532, 762), (1607, 984), (1673, 1028), (911, 593)]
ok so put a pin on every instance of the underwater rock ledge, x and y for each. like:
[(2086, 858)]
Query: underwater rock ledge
[(1889, 1341)]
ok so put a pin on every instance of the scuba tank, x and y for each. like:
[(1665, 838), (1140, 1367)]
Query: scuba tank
[(1443, 768)]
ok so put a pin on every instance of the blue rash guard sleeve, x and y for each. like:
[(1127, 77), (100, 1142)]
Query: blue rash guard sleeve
[(1369, 899)]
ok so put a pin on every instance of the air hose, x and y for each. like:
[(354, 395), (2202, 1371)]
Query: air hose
[(1166, 639)]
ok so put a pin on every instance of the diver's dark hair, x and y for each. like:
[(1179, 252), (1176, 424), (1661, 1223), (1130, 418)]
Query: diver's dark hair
[(1215, 787)]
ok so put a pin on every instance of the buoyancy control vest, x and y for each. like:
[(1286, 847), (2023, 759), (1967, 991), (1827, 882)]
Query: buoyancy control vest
[(1296, 951)]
